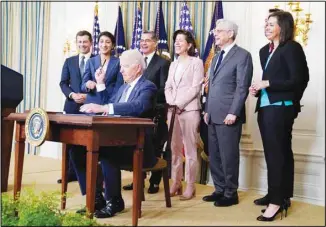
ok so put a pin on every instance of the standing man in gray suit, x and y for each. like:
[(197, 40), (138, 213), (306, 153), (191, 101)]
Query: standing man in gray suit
[(230, 77)]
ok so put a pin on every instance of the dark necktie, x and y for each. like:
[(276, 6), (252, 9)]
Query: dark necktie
[(146, 61), (219, 60), (82, 66), (124, 94)]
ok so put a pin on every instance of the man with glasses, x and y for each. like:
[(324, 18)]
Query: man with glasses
[(156, 71), (230, 78)]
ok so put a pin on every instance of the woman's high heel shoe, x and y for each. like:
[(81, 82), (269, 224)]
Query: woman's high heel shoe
[(283, 207), (176, 189), (286, 204), (185, 197), (262, 218), (189, 193)]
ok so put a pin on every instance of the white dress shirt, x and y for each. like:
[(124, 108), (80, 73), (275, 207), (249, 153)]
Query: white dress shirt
[(149, 57), (87, 56), (226, 51)]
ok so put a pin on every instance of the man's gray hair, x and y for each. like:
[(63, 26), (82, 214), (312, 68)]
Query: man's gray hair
[(223, 24), (133, 57)]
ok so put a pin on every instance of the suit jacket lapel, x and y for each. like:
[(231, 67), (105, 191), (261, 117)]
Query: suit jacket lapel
[(119, 94), (110, 65), (276, 51), (97, 62), (150, 66), (182, 74), (76, 64), (214, 60), (135, 89), (227, 57)]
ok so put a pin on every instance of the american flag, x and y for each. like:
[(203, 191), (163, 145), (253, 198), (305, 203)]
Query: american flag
[(96, 32), (120, 34), (210, 44), (185, 22), (160, 31), (207, 58), (138, 28)]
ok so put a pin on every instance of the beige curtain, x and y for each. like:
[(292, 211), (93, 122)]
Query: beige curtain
[(25, 47)]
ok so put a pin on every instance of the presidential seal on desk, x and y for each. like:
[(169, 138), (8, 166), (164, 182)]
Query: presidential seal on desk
[(36, 126)]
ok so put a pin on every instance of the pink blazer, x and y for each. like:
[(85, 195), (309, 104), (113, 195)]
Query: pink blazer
[(186, 93)]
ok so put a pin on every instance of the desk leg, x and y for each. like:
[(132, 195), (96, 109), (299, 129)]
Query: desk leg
[(7, 129), (64, 183), (91, 169), (19, 160), (137, 178)]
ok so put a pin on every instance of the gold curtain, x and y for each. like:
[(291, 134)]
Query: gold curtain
[(201, 16)]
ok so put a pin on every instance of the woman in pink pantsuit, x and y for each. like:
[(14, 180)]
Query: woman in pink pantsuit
[(182, 89)]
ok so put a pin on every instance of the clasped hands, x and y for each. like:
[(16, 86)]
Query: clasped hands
[(78, 97), (257, 86)]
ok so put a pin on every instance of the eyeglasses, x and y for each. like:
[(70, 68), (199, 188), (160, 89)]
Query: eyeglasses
[(220, 30), (145, 41)]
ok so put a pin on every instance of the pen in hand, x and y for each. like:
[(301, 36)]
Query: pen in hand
[(103, 64)]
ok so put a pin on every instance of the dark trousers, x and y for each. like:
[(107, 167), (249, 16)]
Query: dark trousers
[(204, 134), (275, 125), (112, 158), (78, 160), (109, 172), (224, 156), (160, 136), (70, 168)]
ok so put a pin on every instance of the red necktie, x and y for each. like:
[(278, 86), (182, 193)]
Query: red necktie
[(271, 47)]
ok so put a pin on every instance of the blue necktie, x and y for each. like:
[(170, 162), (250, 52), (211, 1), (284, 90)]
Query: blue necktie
[(219, 60), (124, 94)]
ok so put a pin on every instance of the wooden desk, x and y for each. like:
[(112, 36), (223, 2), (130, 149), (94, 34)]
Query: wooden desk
[(92, 132)]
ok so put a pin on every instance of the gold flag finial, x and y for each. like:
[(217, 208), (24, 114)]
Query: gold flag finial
[(96, 9)]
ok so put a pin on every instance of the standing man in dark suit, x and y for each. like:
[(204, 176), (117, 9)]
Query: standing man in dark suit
[(157, 69), (71, 80), (135, 98), (231, 73)]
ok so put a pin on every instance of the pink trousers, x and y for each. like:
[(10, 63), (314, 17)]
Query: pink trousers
[(184, 135)]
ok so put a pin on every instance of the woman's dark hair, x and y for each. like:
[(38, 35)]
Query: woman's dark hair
[(273, 10), (189, 39), (107, 34), (286, 23)]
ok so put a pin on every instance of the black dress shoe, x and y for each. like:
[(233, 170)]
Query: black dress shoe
[(227, 201), (264, 201), (100, 203), (213, 197), (70, 179), (128, 187), (153, 188), (113, 206)]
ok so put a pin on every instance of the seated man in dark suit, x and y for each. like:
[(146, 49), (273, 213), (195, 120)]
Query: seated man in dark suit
[(135, 98), (156, 71)]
